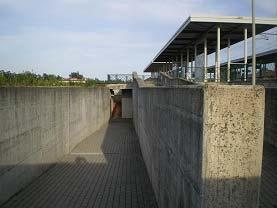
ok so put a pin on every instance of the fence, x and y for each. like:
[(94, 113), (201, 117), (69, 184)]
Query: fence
[(124, 78), (237, 73)]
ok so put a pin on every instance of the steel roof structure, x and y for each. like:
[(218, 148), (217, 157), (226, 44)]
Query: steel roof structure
[(195, 29)]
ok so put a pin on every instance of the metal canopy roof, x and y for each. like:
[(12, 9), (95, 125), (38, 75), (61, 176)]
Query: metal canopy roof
[(193, 31), (154, 67)]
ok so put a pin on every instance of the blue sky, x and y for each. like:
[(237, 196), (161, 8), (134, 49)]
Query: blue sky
[(99, 37)]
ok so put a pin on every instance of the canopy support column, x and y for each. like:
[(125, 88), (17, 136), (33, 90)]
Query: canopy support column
[(187, 68), (228, 61), (182, 64), (177, 67), (205, 60), (245, 54), (218, 55), (172, 65), (195, 55)]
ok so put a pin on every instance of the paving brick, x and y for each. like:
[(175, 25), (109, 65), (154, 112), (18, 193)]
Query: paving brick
[(105, 170)]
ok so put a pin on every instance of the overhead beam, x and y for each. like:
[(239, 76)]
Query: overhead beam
[(201, 37)]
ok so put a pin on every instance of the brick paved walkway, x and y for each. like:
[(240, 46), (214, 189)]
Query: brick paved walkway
[(105, 170)]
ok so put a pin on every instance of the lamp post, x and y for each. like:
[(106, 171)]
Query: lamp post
[(253, 44)]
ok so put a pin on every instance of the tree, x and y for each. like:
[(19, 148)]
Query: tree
[(27, 78), (76, 75)]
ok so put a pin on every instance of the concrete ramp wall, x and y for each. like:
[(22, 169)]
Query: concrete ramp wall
[(40, 125), (202, 145), (271, 115)]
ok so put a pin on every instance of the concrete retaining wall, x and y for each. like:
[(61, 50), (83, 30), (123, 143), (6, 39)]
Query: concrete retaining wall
[(232, 145), (40, 125), (271, 115), (202, 145), (127, 107)]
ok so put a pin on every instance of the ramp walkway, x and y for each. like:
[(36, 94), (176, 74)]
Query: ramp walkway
[(104, 170), (107, 170)]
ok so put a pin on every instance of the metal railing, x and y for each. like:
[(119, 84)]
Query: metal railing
[(237, 73), (124, 78)]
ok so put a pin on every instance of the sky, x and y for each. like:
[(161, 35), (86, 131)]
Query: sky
[(97, 37)]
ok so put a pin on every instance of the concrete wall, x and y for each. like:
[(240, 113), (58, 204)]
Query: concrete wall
[(40, 125), (271, 115), (127, 107), (202, 145), (232, 145)]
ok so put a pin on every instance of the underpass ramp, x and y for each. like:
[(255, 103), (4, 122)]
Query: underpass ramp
[(104, 170)]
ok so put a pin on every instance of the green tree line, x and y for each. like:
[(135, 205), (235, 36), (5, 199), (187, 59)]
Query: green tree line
[(27, 78)]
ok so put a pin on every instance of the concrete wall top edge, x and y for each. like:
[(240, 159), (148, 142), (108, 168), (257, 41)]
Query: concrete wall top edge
[(52, 87), (256, 87), (142, 85), (172, 87)]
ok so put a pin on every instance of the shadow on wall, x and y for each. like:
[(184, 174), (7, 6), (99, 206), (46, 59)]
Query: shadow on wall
[(270, 133), (268, 196), (182, 195), (104, 170), (117, 109), (202, 145), (39, 125)]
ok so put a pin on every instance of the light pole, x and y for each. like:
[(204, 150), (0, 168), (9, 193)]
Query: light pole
[(253, 44)]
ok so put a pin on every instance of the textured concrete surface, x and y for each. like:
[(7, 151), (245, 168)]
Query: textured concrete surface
[(271, 115), (127, 107), (268, 196), (202, 145), (39, 125), (169, 125), (232, 145), (104, 170), (117, 88)]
